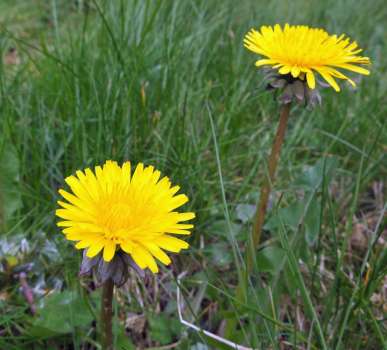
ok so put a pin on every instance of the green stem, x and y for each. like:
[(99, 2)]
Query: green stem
[(266, 186), (107, 315)]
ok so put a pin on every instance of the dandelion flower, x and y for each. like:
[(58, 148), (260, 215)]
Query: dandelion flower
[(112, 211), (303, 52)]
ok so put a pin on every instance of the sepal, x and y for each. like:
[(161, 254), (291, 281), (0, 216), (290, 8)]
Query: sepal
[(117, 269)]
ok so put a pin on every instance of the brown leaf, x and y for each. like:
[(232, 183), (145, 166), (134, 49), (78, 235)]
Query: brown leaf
[(135, 323), (12, 57), (359, 238)]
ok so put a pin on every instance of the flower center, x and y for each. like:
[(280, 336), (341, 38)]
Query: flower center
[(115, 219)]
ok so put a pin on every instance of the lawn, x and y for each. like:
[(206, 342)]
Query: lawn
[(169, 84)]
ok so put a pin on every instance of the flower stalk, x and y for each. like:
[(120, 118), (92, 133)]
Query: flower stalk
[(267, 184), (107, 315)]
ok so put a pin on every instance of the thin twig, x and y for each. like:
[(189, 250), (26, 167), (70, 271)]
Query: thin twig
[(198, 329)]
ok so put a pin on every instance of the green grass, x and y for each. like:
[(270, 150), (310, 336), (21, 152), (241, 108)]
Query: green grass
[(169, 83)]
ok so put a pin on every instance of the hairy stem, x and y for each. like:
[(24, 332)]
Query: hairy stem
[(106, 315), (267, 183)]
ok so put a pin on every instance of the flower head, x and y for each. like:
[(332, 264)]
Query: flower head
[(111, 210), (302, 51)]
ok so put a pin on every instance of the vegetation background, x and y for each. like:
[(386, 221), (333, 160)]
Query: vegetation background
[(170, 84)]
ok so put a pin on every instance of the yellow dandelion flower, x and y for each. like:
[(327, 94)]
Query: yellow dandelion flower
[(303, 51), (110, 209)]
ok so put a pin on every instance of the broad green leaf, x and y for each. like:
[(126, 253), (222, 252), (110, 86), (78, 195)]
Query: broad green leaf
[(122, 340), (313, 175), (221, 228), (270, 259), (60, 313), (289, 216), (163, 328), (312, 221), (306, 212), (221, 254), (245, 212)]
